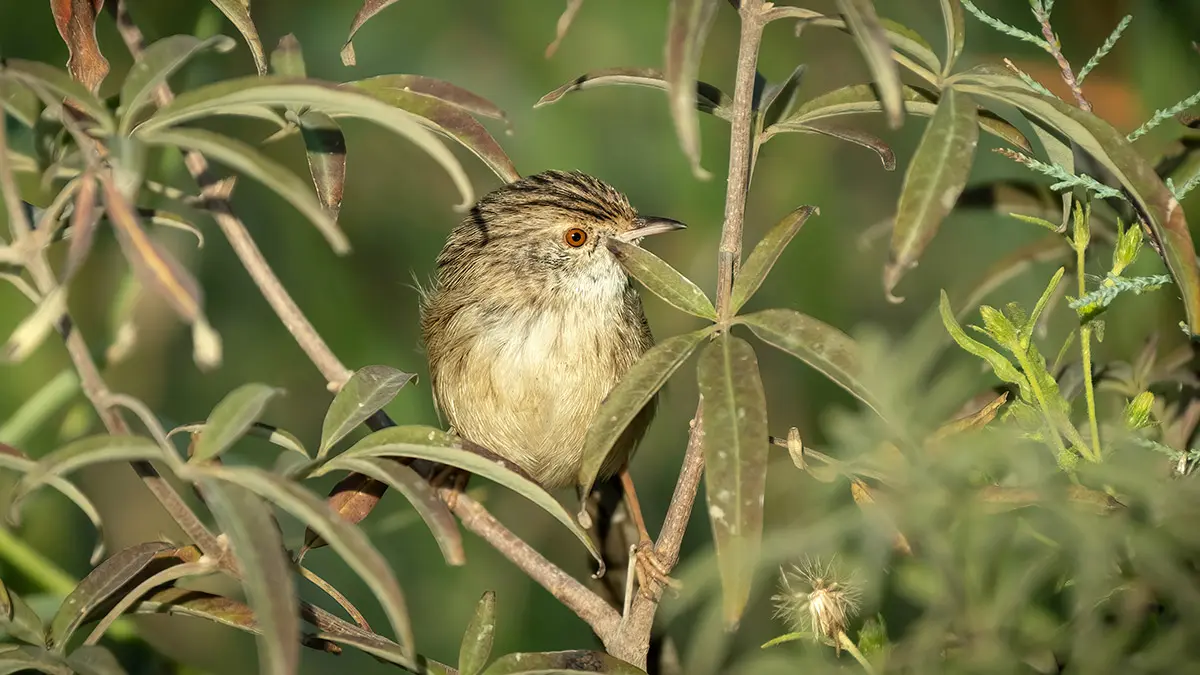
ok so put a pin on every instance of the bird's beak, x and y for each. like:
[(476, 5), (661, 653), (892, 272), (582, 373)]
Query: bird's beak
[(648, 226)]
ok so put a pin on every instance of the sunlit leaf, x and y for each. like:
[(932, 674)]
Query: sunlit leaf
[(419, 493), (560, 663), (443, 91), (735, 446), (934, 180), (369, 9), (231, 418), (688, 24), (33, 329), (155, 65), (1003, 368), (876, 49), (477, 640), (956, 33), (662, 279), (816, 343), (324, 97), (76, 21), (765, 254), (238, 12), (53, 85), (266, 572), (435, 445), (708, 98), (248, 160), (629, 397), (19, 620), (367, 391), (564, 23), (97, 587)]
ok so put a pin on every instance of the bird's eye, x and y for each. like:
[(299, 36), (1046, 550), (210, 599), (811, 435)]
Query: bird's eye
[(575, 237)]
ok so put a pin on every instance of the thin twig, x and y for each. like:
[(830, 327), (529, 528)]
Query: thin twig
[(1055, 49)]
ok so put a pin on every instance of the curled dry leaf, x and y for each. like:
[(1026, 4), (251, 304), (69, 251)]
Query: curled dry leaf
[(971, 422), (564, 23), (238, 12), (369, 9), (76, 21), (861, 492)]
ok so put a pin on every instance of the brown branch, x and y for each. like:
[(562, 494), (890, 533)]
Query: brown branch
[(1068, 75)]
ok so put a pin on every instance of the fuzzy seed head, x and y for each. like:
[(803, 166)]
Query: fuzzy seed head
[(817, 598)]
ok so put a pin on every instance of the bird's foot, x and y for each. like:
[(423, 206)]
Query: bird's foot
[(449, 482), (652, 574)]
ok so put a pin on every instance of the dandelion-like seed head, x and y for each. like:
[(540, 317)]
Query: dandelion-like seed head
[(817, 598)]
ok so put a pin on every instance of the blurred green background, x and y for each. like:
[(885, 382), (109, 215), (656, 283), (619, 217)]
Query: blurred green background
[(397, 211)]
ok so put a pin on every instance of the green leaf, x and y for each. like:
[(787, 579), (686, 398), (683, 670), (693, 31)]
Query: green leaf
[(1003, 368), (956, 33), (97, 587), (88, 451), (735, 463), (709, 98), (369, 9), (477, 640), (238, 12), (662, 279), (816, 343), (367, 391), (876, 49), (29, 658), (778, 99), (419, 493), (198, 604), (155, 65), (94, 660), (19, 620), (998, 327), (11, 458), (53, 85), (561, 663), (346, 539), (20, 102), (231, 418), (766, 253), (325, 97), (435, 445), (902, 38), (629, 397), (933, 182), (271, 434), (265, 569), (1152, 198), (1027, 331), (688, 24), (248, 160), (447, 92)]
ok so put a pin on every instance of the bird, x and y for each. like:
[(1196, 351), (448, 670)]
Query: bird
[(531, 320)]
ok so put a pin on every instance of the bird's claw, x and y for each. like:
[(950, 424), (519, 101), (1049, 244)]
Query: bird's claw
[(449, 482), (652, 574)]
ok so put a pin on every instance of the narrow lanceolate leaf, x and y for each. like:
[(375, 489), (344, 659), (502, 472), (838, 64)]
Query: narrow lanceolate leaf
[(76, 21), (688, 24), (157, 63), (956, 33), (904, 40), (662, 279), (934, 180), (873, 43), (19, 101), (266, 572), (708, 98), (564, 24), (435, 445), (91, 450), (249, 161), (1003, 368), (367, 391), (28, 658), (444, 91), (816, 343), (231, 418), (476, 647), (369, 9), (561, 663), (198, 604), (347, 540), (33, 329), (320, 96), (97, 587), (856, 136), (754, 271), (778, 99), (53, 85), (17, 462), (1155, 203), (420, 494), (735, 463), (18, 619), (629, 397), (94, 660), (238, 12)]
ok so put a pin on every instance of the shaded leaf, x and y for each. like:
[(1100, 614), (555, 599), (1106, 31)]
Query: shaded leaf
[(91, 450), (76, 22), (238, 12), (709, 99), (420, 494), (94, 660), (735, 459), (956, 33), (628, 398), (564, 23), (932, 183), (688, 24), (367, 391), (248, 160), (231, 418), (53, 85), (18, 462), (876, 49), (765, 254), (816, 343), (857, 136), (266, 572), (29, 658), (155, 65), (904, 39), (20, 102), (662, 279), (435, 445), (352, 498), (198, 604), (561, 663), (126, 602), (477, 640), (19, 620), (84, 222), (272, 434), (324, 97), (974, 421), (33, 329), (369, 9), (97, 587), (388, 652)]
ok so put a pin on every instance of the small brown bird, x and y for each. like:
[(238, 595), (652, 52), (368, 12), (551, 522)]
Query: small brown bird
[(531, 321)]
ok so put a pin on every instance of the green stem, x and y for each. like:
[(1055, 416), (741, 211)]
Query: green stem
[(847, 644), (1027, 366), (1085, 346)]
